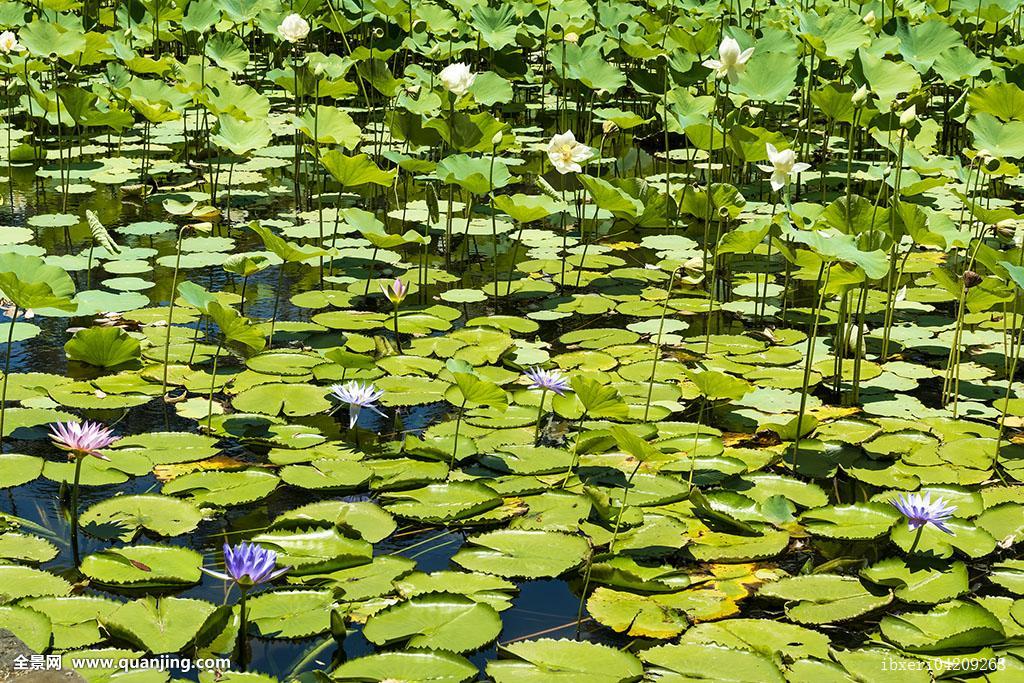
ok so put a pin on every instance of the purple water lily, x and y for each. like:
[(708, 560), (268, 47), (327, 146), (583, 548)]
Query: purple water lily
[(82, 438), (921, 510), (248, 564)]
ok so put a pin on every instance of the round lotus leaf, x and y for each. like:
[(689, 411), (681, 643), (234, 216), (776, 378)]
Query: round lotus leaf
[(438, 621)]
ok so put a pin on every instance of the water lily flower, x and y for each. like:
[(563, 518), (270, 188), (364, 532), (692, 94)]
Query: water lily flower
[(396, 291), (731, 60), (921, 510), (566, 153), (548, 380), (457, 78), (82, 438), (869, 18), (9, 43), (294, 28), (248, 564), (357, 396), (783, 165)]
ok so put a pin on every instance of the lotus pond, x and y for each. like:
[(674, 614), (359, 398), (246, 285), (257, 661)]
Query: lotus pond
[(518, 341)]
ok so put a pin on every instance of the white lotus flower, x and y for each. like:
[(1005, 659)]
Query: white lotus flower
[(9, 43), (566, 153), (783, 165), (294, 28), (457, 78), (731, 61)]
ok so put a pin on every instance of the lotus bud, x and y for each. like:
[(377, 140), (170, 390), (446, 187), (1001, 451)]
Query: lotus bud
[(908, 117), (609, 127), (887, 171), (971, 279), (571, 37), (869, 18), (496, 140), (861, 96), (1005, 228)]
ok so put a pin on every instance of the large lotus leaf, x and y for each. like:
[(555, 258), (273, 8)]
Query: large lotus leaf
[(920, 581), (564, 661), (223, 489), (415, 666), (124, 517), (291, 614), (283, 399), (25, 582), (695, 661), (227, 50), (530, 554), (660, 616), (438, 621), (327, 474), (31, 627), (443, 503), (167, 448), (283, 249), (144, 566), (355, 170), (1010, 575), (492, 590), (105, 347), (825, 598), (1000, 139), (330, 125), (362, 582), (474, 174), (26, 548), (955, 624), (29, 283), (887, 79), (861, 521), (240, 136), (75, 619), (159, 625), (315, 550), (16, 469), (769, 637), (719, 546), (369, 521), (288, 362)]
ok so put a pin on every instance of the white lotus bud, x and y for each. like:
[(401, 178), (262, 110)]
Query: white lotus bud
[(908, 117), (869, 18), (861, 96)]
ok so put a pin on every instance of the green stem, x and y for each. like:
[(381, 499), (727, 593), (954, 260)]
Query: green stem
[(7, 374), (540, 413), (74, 509), (809, 360)]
